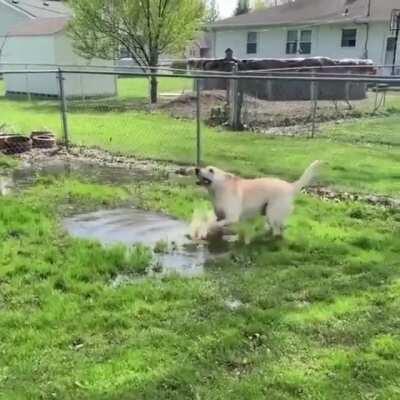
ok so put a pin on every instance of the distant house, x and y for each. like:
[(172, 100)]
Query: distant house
[(200, 47), (14, 12), (307, 28), (34, 32)]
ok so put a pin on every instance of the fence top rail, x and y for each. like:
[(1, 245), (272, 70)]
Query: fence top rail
[(324, 78), (105, 67), (141, 70), (29, 71), (266, 73), (169, 68)]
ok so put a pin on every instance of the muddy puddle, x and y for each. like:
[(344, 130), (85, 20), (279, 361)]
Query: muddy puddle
[(173, 251)]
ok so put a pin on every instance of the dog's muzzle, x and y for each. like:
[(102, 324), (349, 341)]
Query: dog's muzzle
[(201, 179)]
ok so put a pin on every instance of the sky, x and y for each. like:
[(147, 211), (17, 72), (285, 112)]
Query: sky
[(226, 7)]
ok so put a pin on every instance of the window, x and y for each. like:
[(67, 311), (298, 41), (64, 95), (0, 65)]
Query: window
[(252, 43), (349, 37), (298, 42), (291, 43), (305, 42), (390, 44)]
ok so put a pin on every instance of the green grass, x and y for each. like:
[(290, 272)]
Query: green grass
[(380, 131), (319, 318), (138, 88), (7, 162), (361, 155)]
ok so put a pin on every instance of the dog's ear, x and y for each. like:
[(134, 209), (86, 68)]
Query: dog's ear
[(229, 176)]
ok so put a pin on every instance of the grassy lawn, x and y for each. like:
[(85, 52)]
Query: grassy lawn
[(369, 131), (361, 155), (319, 311), (138, 88), (319, 318)]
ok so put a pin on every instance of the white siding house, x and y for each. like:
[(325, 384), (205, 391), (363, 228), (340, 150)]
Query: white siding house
[(15, 12), (43, 40), (310, 28)]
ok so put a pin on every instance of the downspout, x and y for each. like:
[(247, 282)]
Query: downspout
[(367, 29)]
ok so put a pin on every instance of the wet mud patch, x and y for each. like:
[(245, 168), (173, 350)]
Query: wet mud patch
[(172, 249)]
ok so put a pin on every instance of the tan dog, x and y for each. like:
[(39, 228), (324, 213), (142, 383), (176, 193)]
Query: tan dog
[(236, 199)]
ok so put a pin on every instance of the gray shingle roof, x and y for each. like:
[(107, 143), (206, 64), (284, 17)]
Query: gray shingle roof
[(314, 11), (40, 8)]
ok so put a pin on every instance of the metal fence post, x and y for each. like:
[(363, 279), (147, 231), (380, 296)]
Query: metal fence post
[(314, 98), (63, 107), (28, 90), (347, 87), (384, 97), (234, 101), (188, 72), (81, 84), (269, 89), (198, 122), (376, 98)]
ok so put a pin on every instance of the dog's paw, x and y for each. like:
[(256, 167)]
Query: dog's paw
[(198, 236)]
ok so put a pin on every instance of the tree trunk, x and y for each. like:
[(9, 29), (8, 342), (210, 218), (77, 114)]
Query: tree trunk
[(153, 89), (153, 79)]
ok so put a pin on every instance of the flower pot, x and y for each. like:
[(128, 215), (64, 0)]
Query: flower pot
[(40, 133), (46, 141), (17, 144), (3, 138)]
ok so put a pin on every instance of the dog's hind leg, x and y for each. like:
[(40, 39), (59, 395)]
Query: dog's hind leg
[(277, 213), (224, 224), (268, 227)]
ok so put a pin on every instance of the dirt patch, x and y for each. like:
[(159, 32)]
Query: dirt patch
[(99, 157), (375, 200), (89, 164), (262, 116), (184, 106)]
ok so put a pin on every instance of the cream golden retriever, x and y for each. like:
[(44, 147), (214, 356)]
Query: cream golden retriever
[(235, 199)]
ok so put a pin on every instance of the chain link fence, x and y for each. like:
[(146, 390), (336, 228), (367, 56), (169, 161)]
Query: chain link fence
[(109, 109), (304, 108), (112, 114)]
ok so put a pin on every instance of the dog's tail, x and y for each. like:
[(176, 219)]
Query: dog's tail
[(307, 176)]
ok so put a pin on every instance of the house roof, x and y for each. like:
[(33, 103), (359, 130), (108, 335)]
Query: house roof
[(40, 27), (313, 12), (40, 8)]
